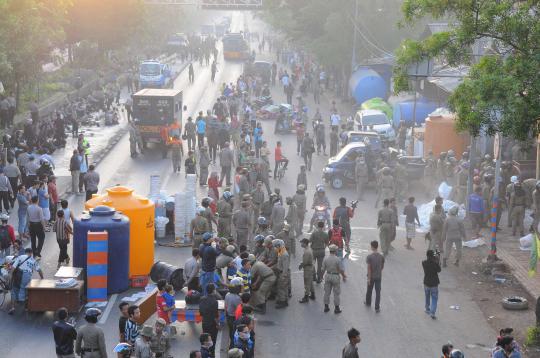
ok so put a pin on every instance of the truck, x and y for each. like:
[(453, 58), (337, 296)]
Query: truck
[(157, 114), (155, 74)]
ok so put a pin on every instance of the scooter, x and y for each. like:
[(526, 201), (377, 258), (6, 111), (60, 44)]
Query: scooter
[(321, 213)]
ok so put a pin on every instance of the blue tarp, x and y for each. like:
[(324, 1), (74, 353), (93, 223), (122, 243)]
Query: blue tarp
[(366, 84), (403, 111)]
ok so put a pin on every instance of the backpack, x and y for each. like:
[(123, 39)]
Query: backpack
[(5, 240), (336, 237)]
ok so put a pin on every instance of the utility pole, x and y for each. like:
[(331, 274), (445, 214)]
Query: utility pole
[(497, 153), (353, 59)]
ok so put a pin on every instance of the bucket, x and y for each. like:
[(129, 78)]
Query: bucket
[(172, 274)]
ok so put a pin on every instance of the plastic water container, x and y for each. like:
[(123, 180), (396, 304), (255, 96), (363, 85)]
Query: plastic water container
[(161, 224)]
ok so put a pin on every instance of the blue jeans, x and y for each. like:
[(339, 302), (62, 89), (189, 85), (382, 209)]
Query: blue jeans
[(205, 279), (19, 293), (23, 222), (433, 294)]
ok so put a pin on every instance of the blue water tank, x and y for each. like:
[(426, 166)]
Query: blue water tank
[(104, 218), (403, 111), (366, 84)]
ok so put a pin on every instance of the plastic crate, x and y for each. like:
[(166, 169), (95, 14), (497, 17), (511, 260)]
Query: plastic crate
[(139, 281)]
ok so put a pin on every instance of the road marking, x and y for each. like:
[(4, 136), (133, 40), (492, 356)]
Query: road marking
[(108, 309)]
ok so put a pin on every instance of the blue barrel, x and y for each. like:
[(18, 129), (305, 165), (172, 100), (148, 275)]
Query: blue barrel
[(104, 218), (403, 111), (366, 84)]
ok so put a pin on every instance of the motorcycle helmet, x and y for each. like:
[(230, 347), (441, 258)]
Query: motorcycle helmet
[(487, 157), (261, 220), (200, 210), (206, 202), (227, 195), (259, 238), (4, 218), (451, 153), (456, 353), (206, 236), (320, 188)]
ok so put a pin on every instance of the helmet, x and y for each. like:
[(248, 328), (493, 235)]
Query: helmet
[(278, 243), (514, 179), (261, 220), (451, 153), (286, 227), (200, 210), (206, 202), (487, 157), (259, 238), (93, 312), (456, 353), (227, 195), (237, 281), (4, 217), (269, 239), (320, 188), (207, 236), (386, 170)]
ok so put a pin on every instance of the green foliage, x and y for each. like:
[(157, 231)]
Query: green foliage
[(502, 89), (533, 336)]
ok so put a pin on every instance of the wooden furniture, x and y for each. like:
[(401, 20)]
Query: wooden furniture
[(182, 313), (43, 296)]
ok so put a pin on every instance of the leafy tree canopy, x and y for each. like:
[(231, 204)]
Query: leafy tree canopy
[(502, 89)]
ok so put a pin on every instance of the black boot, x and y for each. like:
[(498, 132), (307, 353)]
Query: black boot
[(281, 304), (304, 299), (337, 310), (260, 308), (312, 296), (326, 308)]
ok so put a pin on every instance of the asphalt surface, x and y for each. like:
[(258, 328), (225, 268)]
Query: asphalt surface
[(401, 329)]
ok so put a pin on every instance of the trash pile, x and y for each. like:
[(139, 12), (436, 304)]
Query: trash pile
[(425, 210)]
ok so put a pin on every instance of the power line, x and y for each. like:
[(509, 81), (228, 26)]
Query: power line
[(384, 52)]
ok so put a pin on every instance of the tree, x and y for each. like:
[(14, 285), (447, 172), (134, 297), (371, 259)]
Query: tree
[(109, 24), (30, 30), (502, 89)]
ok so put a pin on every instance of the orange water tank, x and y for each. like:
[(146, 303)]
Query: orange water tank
[(140, 211), (441, 135)]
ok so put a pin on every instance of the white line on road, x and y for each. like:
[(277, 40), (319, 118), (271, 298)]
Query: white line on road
[(108, 309)]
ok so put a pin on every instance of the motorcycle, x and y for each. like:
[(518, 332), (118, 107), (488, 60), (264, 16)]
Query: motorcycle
[(262, 101), (321, 213), (284, 124)]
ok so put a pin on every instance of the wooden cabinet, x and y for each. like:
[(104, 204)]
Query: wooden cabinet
[(43, 296)]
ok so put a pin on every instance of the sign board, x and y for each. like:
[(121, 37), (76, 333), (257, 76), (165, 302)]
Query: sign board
[(420, 69)]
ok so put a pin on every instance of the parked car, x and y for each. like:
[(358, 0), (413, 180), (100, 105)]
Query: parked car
[(340, 170), (372, 139), (375, 120)]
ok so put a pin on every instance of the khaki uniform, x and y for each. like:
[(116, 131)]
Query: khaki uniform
[(436, 223), (401, 182), (361, 175), (260, 270), (197, 228), (307, 265), (462, 180), (385, 223), (283, 276), (224, 209), (332, 282), (257, 197), (204, 163), (160, 345), (386, 188), (90, 342), (291, 218), (241, 221), (517, 203), (430, 175), (319, 240), (453, 233), (277, 217), (300, 200), (509, 192), (285, 236)]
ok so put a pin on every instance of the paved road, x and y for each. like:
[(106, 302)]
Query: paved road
[(401, 329)]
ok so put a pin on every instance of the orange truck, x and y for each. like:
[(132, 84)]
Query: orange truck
[(157, 114)]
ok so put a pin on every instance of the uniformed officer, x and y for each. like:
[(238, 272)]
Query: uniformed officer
[(160, 343), (441, 167), (90, 341), (241, 224), (509, 191), (257, 198), (224, 209), (453, 234), (262, 227), (204, 163), (361, 175), (401, 181), (386, 186), (307, 266), (277, 218), (207, 213), (430, 173), (385, 223), (300, 201), (332, 267), (285, 235), (436, 222), (262, 281), (282, 271), (267, 206), (258, 250), (462, 182), (518, 201), (291, 218), (319, 240), (197, 227)]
